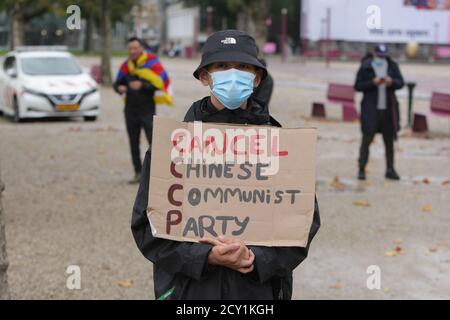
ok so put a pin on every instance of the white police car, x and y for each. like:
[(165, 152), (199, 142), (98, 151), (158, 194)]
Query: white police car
[(37, 82)]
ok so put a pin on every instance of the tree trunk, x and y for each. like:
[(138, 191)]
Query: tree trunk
[(17, 27), (4, 293), (258, 15), (105, 26), (251, 19), (87, 47)]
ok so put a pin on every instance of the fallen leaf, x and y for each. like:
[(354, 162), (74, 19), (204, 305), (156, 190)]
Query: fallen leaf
[(386, 289), (390, 253), (426, 181), (361, 203), (446, 183), (395, 252), (442, 243), (399, 250), (336, 285), (112, 129), (128, 283), (337, 184), (427, 208), (71, 198), (75, 129)]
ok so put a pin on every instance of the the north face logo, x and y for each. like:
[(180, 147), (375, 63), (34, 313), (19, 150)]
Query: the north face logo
[(228, 41)]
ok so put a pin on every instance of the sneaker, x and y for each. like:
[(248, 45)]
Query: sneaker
[(136, 179), (392, 174), (362, 174)]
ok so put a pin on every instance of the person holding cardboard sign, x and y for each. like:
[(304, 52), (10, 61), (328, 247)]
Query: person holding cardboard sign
[(219, 268)]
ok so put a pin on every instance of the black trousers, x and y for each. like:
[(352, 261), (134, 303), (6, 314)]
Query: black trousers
[(136, 121), (387, 138)]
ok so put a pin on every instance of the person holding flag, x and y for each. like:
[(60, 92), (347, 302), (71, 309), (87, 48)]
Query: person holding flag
[(144, 83)]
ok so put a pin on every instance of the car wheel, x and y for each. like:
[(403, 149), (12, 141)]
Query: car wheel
[(90, 118), (16, 116)]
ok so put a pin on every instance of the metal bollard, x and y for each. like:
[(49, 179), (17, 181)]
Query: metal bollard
[(410, 86)]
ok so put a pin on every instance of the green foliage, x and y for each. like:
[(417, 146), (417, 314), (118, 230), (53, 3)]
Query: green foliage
[(28, 8), (34, 8)]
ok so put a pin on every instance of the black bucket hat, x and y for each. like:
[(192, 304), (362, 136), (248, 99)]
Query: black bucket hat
[(230, 45), (381, 50)]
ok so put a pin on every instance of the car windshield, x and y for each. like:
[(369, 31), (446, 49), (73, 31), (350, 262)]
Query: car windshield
[(41, 66)]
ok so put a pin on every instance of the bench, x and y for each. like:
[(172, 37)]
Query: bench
[(443, 52), (342, 94), (355, 55), (439, 106), (332, 54), (312, 53), (96, 73)]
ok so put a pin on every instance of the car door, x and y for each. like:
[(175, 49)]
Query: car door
[(8, 81)]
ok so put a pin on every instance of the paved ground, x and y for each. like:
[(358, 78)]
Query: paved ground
[(67, 201)]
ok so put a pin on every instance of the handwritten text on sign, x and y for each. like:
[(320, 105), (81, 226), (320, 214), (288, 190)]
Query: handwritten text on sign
[(255, 183)]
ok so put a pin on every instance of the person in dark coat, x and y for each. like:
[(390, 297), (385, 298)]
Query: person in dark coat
[(220, 268), (378, 78)]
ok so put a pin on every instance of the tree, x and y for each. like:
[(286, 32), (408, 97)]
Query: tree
[(248, 15), (21, 12), (93, 13), (105, 31), (251, 17), (4, 294)]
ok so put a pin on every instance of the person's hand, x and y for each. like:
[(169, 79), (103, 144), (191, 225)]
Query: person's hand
[(136, 84), (377, 81), (229, 253), (122, 89), (248, 255), (388, 81)]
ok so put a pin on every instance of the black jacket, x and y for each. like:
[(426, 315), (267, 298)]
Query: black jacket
[(263, 92), (137, 100), (183, 265), (364, 83)]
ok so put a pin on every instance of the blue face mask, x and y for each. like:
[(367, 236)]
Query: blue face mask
[(378, 61), (232, 87)]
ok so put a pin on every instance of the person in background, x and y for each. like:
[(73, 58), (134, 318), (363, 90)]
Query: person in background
[(139, 77), (378, 78)]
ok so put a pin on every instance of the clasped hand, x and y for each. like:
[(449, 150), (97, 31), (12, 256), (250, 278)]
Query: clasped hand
[(230, 253)]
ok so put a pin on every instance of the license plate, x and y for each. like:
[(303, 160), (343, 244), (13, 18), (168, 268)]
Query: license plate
[(67, 107)]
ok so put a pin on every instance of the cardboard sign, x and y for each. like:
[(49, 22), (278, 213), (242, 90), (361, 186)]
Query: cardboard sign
[(256, 183)]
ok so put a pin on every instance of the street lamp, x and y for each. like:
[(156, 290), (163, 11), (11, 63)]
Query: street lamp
[(209, 11), (284, 12)]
